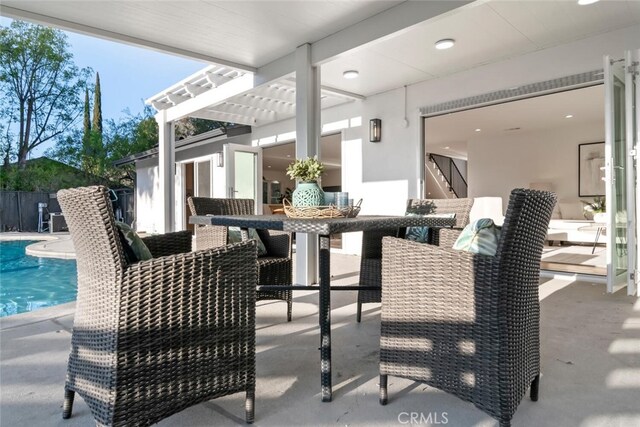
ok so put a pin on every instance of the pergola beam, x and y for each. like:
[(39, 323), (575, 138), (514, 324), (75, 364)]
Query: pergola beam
[(211, 97), (223, 116)]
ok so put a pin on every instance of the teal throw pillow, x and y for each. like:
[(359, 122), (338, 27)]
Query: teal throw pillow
[(479, 237), (234, 236), (134, 248), (421, 234)]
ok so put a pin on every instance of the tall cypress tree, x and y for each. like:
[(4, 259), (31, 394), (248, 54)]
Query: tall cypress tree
[(87, 118), (97, 108), (86, 134)]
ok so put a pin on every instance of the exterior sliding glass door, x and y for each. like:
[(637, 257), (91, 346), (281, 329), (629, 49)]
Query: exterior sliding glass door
[(621, 127)]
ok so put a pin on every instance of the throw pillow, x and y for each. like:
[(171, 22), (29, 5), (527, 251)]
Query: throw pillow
[(421, 234), (134, 248), (234, 236), (479, 237)]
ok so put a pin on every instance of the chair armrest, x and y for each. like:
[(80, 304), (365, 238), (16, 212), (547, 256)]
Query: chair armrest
[(169, 243), (433, 283), (278, 243)]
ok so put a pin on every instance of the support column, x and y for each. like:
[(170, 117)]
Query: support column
[(166, 173), (307, 145)]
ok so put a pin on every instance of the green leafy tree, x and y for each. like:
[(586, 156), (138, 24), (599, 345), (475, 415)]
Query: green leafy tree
[(129, 135), (40, 86)]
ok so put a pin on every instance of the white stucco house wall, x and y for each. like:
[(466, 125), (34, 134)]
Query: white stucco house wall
[(385, 174)]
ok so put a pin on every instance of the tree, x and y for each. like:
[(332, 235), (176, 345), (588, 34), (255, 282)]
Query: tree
[(86, 134), (97, 107), (40, 86), (129, 135)]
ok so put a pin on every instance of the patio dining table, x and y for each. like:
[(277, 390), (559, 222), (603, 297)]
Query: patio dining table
[(324, 228)]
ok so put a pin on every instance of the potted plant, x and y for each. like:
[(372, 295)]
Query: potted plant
[(595, 210), (306, 173)]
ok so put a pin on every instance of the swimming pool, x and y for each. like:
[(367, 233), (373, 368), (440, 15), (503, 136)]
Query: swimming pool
[(28, 283)]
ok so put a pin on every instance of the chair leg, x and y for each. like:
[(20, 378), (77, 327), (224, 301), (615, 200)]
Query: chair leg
[(383, 390), (67, 406), (359, 312), (249, 406), (535, 385), (289, 309)]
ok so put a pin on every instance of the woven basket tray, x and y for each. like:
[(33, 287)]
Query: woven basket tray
[(321, 211)]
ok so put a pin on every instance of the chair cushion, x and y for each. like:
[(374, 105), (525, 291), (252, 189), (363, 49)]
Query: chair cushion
[(421, 234), (234, 236), (134, 248), (479, 237)]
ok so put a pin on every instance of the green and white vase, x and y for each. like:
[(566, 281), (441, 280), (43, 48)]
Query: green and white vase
[(308, 194)]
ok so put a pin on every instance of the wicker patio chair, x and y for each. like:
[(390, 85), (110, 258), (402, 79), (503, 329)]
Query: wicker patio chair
[(151, 338), (370, 261), (464, 323), (274, 268)]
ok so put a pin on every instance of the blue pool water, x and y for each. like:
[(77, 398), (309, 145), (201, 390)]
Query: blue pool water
[(28, 283)]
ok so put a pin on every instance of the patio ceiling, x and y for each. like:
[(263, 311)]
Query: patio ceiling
[(389, 42), (247, 34), (485, 32)]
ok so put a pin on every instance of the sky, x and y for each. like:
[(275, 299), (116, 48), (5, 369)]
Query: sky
[(128, 74)]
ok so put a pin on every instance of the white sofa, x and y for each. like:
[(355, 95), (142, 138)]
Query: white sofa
[(569, 225)]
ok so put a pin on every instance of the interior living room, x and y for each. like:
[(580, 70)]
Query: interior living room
[(275, 159), (538, 143)]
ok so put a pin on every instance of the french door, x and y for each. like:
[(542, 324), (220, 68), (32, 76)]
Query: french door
[(621, 144), (243, 166)]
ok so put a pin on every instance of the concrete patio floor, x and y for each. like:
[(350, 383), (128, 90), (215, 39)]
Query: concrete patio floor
[(590, 365)]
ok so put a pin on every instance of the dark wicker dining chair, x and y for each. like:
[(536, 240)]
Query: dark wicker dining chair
[(151, 338), (370, 261), (274, 268), (464, 323)]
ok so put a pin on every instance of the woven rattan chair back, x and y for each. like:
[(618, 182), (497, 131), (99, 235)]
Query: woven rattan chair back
[(210, 236), (460, 207), (89, 216), (371, 255), (273, 269)]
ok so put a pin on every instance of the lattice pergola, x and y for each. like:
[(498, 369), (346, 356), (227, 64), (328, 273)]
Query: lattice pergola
[(243, 104)]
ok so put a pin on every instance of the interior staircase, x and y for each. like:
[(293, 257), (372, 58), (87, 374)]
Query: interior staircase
[(448, 175)]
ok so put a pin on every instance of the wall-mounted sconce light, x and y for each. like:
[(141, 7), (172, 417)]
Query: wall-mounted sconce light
[(219, 159), (375, 130)]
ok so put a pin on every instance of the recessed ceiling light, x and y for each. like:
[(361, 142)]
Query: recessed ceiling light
[(269, 166), (288, 155), (478, 130), (350, 74), (446, 148), (445, 44), (586, 2), (568, 116)]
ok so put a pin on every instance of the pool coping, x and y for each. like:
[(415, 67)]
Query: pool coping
[(37, 316), (57, 245)]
